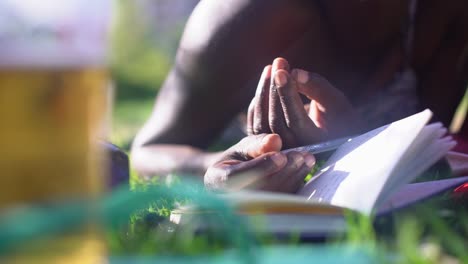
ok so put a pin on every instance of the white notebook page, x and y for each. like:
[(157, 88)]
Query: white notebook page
[(356, 173)]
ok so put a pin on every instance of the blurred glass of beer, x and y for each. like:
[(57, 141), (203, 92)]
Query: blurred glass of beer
[(53, 83)]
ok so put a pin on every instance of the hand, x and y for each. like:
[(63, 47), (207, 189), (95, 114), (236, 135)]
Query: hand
[(255, 163), (278, 108)]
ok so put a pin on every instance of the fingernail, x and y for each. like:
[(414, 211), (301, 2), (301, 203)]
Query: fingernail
[(279, 159), (280, 78), (280, 63), (301, 76), (265, 139), (267, 72), (310, 161), (298, 160)]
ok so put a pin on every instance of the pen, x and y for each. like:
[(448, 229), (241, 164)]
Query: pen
[(321, 147)]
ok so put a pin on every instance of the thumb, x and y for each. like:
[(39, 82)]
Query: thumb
[(256, 145)]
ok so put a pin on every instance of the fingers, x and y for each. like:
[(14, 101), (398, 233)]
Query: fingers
[(250, 117), (280, 179), (269, 172), (299, 176), (330, 110), (291, 103), (260, 105), (294, 124), (291, 177), (278, 108), (315, 114), (317, 88), (273, 171), (254, 146), (261, 144), (254, 155), (249, 174), (296, 117), (276, 119)]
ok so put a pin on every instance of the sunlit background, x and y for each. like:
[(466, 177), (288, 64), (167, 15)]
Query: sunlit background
[(144, 39)]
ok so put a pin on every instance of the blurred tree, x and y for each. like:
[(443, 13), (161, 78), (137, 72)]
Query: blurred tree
[(138, 65), (144, 41), (167, 19)]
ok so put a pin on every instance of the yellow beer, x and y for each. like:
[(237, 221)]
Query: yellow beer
[(50, 122), (52, 102)]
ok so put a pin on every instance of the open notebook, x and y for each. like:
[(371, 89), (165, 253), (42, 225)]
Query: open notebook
[(366, 170), (361, 175)]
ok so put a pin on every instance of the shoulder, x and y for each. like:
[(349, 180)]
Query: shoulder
[(242, 36), (207, 19), (214, 21)]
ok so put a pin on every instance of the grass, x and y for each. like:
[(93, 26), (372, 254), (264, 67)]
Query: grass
[(128, 117), (434, 232), (460, 115)]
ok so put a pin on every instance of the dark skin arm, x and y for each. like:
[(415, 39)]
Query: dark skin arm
[(441, 65), (226, 45), (278, 108), (256, 163), (203, 91)]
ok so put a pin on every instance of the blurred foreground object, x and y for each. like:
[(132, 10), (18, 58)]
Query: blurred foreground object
[(53, 83), (116, 164)]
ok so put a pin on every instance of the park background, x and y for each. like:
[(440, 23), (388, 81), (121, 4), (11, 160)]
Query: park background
[(144, 41)]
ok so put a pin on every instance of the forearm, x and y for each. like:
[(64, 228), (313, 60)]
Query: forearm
[(162, 159)]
